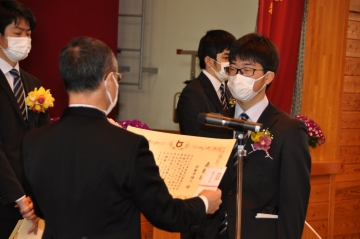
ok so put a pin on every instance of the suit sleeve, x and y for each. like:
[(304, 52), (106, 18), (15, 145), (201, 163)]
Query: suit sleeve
[(151, 196), (294, 183), (190, 104), (10, 187)]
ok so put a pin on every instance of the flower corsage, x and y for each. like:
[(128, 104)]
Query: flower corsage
[(231, 102), (262, 141), (39, 100)]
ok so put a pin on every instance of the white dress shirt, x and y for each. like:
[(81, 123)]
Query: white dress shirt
[(215, 82)]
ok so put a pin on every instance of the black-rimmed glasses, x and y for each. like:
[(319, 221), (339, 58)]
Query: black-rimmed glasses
[(245, 71)]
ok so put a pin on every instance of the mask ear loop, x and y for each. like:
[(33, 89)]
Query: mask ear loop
[(264, 76), (114, 79), (107, 92)]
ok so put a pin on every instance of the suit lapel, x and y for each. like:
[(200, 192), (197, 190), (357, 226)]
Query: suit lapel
[(8, 91), (29, 86), (210, 91), (267, 118)]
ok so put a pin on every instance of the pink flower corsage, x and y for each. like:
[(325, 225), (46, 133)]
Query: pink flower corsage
[(262, 141)]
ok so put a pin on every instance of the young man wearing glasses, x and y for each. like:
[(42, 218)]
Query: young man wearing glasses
[(276, 186)]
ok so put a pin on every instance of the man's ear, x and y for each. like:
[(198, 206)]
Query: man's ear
[(269, 77), (3, 41), (208, 61)]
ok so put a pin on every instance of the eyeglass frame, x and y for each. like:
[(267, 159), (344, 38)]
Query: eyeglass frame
[(119, 76), (240, 70)]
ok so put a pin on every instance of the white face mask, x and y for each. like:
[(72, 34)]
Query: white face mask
[(18, 48), (221, 75), (241, 87), (112, 102)]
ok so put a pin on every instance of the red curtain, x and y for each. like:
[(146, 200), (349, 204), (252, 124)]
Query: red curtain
[(281, 21), (57, 23)]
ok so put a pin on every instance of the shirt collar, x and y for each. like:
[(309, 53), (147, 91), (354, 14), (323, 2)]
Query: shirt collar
[(6, 67), (215, 82), (255, 111), (88, 106)]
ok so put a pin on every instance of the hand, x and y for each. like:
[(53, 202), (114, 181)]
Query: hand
[(26, 208), (34, 227), (214, 200)]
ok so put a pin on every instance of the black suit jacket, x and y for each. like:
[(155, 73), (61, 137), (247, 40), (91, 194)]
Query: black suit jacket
[(92, 179), (199, 96), (12, 130), (274, 186)]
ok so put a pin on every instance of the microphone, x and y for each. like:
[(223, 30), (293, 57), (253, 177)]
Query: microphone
[(231, 123)]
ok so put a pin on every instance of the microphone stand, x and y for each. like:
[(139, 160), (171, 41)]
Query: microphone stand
[(241, 153)]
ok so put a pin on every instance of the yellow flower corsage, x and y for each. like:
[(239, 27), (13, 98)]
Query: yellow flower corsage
[(39, 100)]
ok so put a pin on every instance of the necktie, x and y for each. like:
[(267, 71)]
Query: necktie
[(223, 225), (242, 116), (222, 96), (19, 92)]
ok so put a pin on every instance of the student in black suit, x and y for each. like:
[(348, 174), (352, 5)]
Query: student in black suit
[(276, 186), (90, 178), (203, 94), (16, 24)]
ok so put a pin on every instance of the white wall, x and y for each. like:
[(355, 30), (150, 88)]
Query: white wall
[(170, 25)]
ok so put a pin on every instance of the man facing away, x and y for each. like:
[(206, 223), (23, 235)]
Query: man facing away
[(276, 179), (16, 24), (90, 178)]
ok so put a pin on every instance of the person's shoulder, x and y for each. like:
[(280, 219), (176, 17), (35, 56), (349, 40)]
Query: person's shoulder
[(192, 84), (285, 116), (286, 120), (117, 131), (195, 87)]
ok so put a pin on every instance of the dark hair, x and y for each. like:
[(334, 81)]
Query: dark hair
[(12, 11), (258, 49), (84, 62), (213, 43)]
